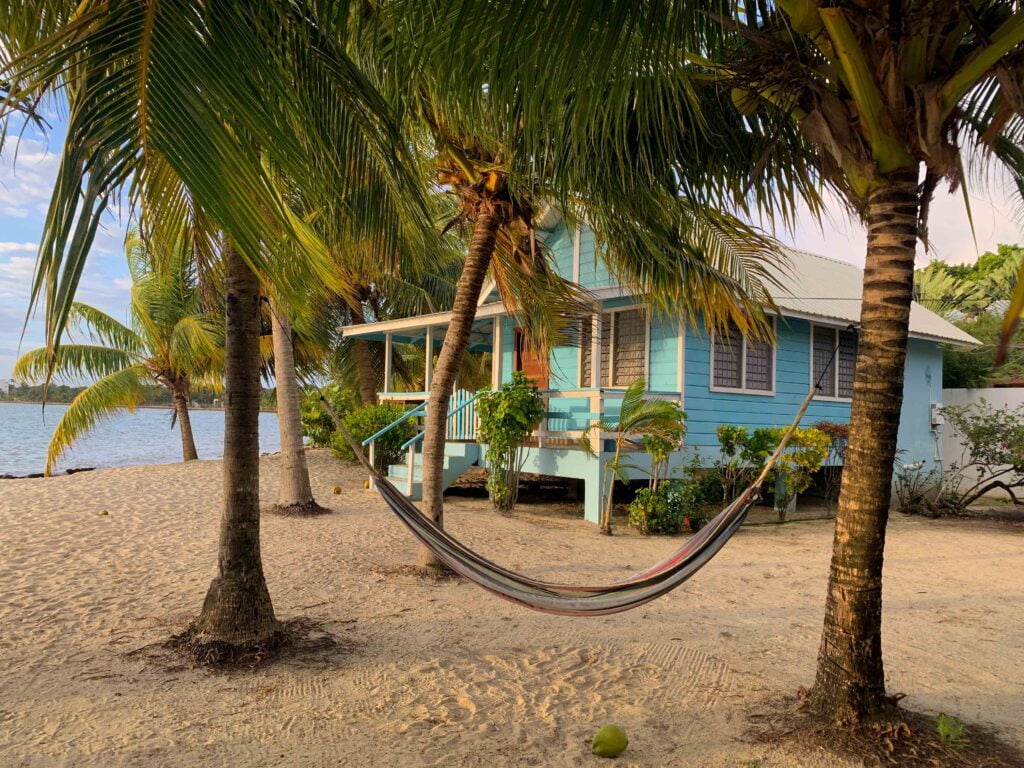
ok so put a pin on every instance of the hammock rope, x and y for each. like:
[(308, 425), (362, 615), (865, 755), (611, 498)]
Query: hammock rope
[(569, 599)]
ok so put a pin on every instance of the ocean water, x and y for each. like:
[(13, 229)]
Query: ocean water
[(143, 437)]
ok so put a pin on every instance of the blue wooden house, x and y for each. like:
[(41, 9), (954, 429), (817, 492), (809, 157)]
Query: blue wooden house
[(718, 378)]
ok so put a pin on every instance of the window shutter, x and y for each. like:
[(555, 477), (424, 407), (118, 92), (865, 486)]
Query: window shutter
[(630, 347), (759, 366), (728, 349), (847, 362), (824, 340), (586, 334)]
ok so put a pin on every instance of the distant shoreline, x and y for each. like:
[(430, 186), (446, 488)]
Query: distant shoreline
[(168, 406)]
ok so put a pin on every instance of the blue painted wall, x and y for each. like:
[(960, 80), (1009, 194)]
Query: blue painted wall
[(706, 410), (593, 272)]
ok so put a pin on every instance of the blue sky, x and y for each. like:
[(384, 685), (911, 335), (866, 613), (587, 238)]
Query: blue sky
[(27, 181)]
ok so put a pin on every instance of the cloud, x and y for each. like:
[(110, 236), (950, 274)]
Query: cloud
[(950, 237), (14, 247), (28, 171)]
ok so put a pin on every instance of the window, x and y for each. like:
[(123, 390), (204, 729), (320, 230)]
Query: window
[(739, 364), (623, 348), (836, 375)]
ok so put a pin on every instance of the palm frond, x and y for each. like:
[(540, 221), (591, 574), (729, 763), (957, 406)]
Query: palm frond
[(72, 361), (115, 392)]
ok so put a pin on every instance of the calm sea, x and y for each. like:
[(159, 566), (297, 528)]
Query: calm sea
[(143, 437)]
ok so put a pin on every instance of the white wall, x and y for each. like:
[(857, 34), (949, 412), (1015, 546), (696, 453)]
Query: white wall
[(952, 445)]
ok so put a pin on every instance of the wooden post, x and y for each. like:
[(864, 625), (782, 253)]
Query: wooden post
[(387, 362)]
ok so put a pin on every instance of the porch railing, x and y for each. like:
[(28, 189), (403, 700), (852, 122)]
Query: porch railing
[(461, 425), (570, 423)]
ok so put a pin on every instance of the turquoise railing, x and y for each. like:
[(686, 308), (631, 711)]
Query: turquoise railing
[(461, 425)]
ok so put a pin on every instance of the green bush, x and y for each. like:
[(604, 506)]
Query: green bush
[(316, 424), (507, 417), (745, 453), (366, 421), (662, 511)]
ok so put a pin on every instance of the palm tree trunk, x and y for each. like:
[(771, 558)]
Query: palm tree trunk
[(364, 363), (237, 610), (295, 495), (456, 339), (850, 684), (188, 443)]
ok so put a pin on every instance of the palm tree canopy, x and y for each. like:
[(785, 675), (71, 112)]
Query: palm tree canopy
[(224, 111), (172, 340)]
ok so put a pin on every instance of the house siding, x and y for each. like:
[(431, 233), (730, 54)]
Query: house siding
[(706, 410)]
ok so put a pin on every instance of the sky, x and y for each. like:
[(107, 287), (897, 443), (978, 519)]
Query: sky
[(28, 170)]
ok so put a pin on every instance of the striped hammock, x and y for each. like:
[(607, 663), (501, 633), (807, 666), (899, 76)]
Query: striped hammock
[(568, 599)]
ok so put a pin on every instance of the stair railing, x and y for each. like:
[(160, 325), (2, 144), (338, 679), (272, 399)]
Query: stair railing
[(460, 404)]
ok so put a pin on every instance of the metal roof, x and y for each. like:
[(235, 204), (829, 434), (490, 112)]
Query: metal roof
[(820, 287), (810, 286)]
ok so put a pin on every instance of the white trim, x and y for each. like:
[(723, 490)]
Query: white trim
[(681, 361), (742, 390), (488, 287), (388, 352), (577, 234), (595, 347), (836, 330)]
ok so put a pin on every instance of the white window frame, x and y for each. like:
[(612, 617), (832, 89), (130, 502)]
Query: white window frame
[(812, 379), (610, 372), (742, 390)]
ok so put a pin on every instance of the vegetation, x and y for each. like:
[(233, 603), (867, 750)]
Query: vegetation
[(992, 457), (506, 418), (951, 731), (367, 420), (317, 425), (172, 340), (970, 290), (974, 367), (744, 454), (639, 418), (832, 471)]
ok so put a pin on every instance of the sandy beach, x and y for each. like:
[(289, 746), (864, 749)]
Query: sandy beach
[(444, 674)]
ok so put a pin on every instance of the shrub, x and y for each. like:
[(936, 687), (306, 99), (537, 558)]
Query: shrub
[(838, 438), (992, 457), (316, 424), (744, 454), (660, 511), (366, 420), (916, 489), (506, 418)]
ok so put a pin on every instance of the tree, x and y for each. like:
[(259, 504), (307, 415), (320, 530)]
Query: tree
[(237, 611), (295, 493), (639, 419), (172, 339), (881, 104), (226, 116), (577, 118)]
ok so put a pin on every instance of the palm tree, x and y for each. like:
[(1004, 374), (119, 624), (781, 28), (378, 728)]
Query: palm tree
[(172, 340), (881, 104), (639, 418), (295, 492), (487, 154), (212, 112)]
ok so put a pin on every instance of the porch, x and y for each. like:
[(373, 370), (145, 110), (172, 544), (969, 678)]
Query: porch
[(553, 449)]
